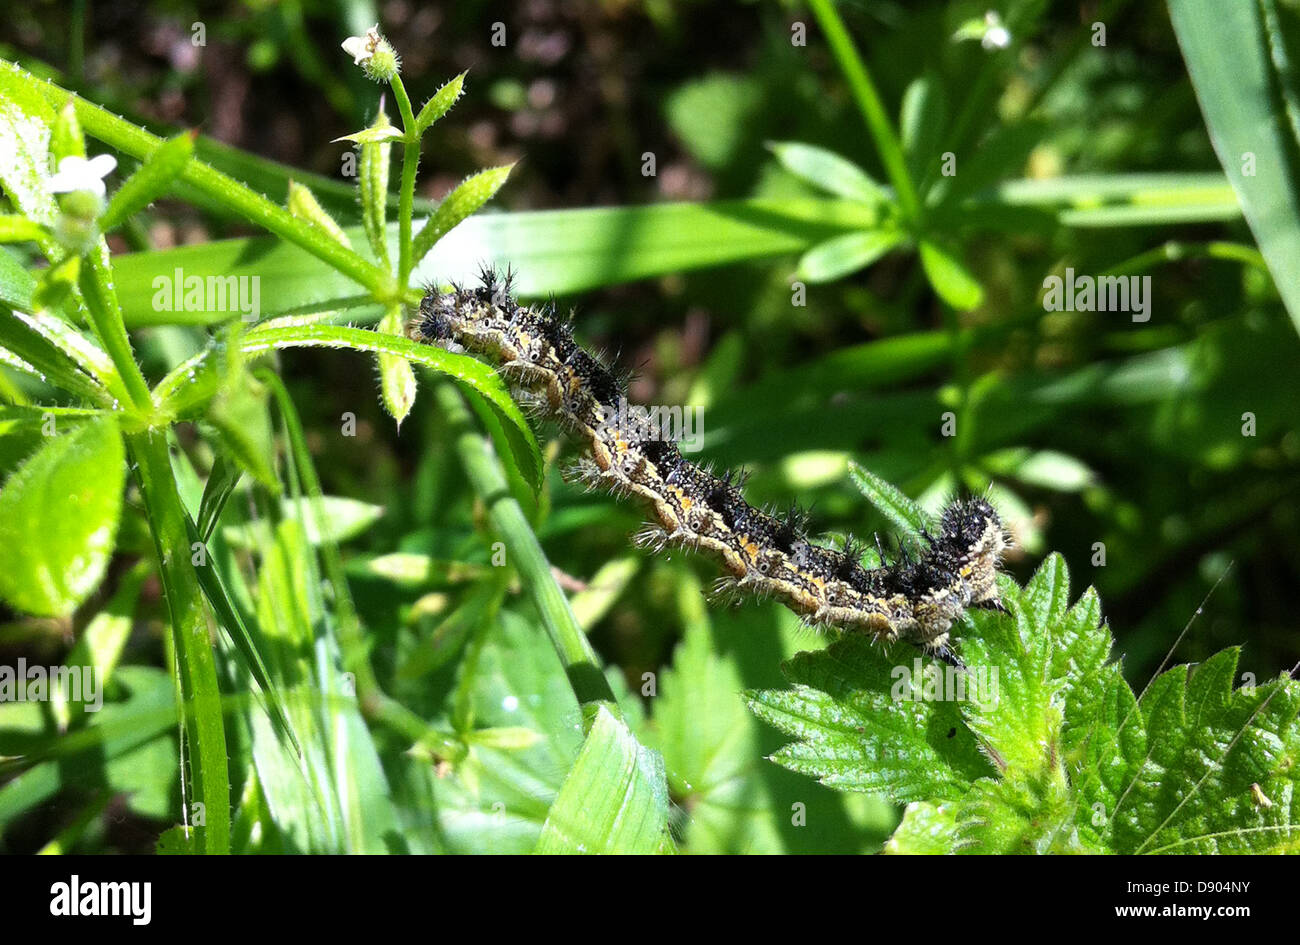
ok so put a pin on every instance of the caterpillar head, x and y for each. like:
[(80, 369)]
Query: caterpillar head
[(970, 544)]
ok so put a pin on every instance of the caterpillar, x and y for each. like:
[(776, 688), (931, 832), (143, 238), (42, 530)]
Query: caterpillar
[(915, 599)]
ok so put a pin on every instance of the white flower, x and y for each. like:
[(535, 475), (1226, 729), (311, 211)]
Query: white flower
[(361, 48), (996, 36), (77, 173)]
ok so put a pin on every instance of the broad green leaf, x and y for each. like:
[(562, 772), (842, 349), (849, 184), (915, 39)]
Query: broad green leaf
[(828, 171), (554, 251), (859, 727), (845, 254), (1206, 754), (497, 799), (951, 279), (58, 519), (1246, 82), (614, 799)]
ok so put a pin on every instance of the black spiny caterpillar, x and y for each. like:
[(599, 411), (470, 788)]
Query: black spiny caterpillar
[(915, 600)]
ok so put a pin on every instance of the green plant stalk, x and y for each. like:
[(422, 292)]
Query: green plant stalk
[(105, 316), (200, 695), (483, 468), (406, 196), (137, 142), (868, 99)]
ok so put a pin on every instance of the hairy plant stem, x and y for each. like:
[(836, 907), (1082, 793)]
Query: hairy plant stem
[(199, 695), (868, 99)]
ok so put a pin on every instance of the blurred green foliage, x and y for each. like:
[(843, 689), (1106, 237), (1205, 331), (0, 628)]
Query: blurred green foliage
[(1096, 433)]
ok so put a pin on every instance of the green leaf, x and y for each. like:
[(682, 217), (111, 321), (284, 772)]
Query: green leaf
[(614, 799), (951, 279), (439, 104), (58, 519), (154, 178), (922, 121), (858, 728), (1078, 765), (396, 377), (842, 255), (1246, 84), (908, 517), (372, 182), (45, 352), (25, 122), (216, 491), (556, 251), (926, 829), (379, 133), (465, 200), (1183, 777), (343, 517), (828, 171)]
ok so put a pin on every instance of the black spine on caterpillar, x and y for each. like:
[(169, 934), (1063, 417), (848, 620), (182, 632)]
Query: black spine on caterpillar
[(916, 600)]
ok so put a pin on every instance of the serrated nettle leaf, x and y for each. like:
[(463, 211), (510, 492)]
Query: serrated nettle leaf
[(1190, 777), (828, 171), (396, 377), (59, 513), (1073, 762), (302, 203), (465, 200), (862, 721), (440, 103), (951, 280), (842, 255), (154, 178)]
